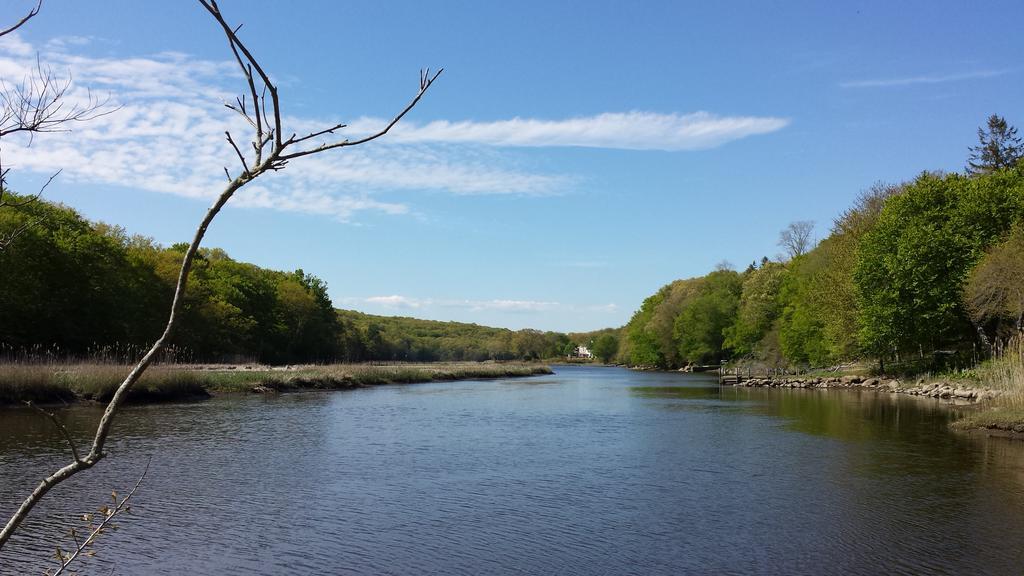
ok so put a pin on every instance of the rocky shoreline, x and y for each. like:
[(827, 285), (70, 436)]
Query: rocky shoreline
[(949, 391)]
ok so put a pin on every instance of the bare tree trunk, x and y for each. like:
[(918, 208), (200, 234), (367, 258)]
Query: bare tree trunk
[(270, 153)]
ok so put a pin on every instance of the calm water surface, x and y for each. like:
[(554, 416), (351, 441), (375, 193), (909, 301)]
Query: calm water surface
[(589, 471)]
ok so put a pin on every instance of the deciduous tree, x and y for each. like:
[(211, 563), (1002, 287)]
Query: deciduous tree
[(605, 347), (796, 238), (994, 293)]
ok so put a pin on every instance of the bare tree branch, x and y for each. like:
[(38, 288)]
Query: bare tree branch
[(294, 140), (248, 66), (269, 155), (7, 238), (37, 104), (108, 515), (425, 83), (21, 22), (796, 238), (60, 427), (241, 158)]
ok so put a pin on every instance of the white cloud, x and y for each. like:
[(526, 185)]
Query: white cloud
[(629, 131), (394, 301), (14, 45), (167, 135), (65, 42), (926, 79)]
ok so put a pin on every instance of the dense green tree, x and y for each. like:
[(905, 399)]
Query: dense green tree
[(606, 347), (913, 264), (758, 309), (820, 315), (702, 323), (642, 348), (833, 287), (65, 281), (662, 325), (651, 337), (802, 322)]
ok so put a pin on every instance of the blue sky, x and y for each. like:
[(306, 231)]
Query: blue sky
[(574, 156)]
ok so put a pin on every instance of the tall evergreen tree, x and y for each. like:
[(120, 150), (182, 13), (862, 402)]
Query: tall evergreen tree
[(998, 147)]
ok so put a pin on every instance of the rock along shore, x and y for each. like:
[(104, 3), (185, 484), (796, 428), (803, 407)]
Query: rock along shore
[(957, 392)]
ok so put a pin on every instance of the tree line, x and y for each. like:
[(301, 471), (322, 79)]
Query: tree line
[(75, 288), (925, 274)]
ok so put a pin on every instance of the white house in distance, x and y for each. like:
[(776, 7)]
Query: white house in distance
[(583, 352)]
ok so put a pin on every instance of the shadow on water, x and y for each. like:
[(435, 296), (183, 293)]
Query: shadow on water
[(882, 421)]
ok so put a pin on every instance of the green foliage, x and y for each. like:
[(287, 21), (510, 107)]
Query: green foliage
[(704, 319), (758, 309), (684, 322), (73, 287), (411, 339), (802, 322), (913, 265), (606, 347), (889, 280), (64, 281), (994, 294), (642, 347)]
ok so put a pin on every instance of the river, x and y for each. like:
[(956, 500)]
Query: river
[(589, 471)]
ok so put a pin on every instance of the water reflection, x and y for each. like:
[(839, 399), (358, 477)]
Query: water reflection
[(589, 471)]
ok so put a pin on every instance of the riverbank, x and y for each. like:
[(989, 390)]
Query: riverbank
[(990, 408), (66, 383)]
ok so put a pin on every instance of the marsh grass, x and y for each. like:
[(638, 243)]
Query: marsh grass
[(32, 383), (60, 382), (1005, 374), (338, 376)]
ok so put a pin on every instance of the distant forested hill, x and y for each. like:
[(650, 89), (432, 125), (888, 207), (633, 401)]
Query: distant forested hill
[(74, 288)]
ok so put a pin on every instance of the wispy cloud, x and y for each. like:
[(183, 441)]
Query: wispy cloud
[(167, 135), (627, 131), (394, 301), (926, 79)]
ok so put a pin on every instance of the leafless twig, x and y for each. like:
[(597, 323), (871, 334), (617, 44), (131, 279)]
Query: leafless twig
[(108, 514), (39, 104), (60, 427), (21, 22), (269, 154), (6, 238)]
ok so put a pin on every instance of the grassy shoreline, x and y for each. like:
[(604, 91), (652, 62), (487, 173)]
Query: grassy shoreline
[(64, 383), (1005, 413)]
